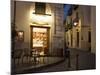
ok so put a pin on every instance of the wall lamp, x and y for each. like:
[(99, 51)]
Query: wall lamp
[(76, 22)]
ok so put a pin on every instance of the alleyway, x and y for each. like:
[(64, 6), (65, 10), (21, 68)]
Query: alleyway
[(38, 42), (86, 61)]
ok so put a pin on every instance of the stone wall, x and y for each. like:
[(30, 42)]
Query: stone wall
[(93, 29), (58, 33), (83, 28), (24, 20)]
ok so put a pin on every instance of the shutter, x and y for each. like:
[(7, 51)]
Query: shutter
[(40, 8)]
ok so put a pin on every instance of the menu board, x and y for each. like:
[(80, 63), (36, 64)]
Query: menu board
[(39, 37)]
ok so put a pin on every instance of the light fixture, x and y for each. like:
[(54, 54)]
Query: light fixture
[(75, 23), (76, 20), (21, 35), (41, 19)]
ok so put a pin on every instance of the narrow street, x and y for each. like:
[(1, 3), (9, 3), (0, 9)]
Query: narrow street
[(57, 67), (85, 62), (52, 37)]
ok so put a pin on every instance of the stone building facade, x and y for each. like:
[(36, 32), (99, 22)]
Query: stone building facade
[(81, 35), (26, 18)]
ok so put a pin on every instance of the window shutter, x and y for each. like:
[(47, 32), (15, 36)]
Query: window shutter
[(40, 8)]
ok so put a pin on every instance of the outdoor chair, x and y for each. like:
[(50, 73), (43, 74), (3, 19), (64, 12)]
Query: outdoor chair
[(17, 55), (27, 54), (35, 57), (31, 56)]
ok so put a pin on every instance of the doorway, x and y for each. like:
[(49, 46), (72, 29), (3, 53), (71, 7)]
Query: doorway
[(77, 39), (89, 40), (40, 39)]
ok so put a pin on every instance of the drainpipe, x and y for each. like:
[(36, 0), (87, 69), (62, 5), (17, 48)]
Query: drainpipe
[(64, 40)]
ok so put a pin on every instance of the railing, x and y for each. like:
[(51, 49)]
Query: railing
[(32, 58)]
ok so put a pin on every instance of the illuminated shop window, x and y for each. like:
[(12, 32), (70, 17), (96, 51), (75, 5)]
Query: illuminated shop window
[(39, 37)]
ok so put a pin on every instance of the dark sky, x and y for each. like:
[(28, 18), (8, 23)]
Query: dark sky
[(66, 8)]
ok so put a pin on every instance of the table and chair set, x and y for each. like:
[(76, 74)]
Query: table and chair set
[(32, 56)]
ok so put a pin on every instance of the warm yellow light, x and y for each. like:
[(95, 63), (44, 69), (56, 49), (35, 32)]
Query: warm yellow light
[(20, 33), (41, 19), (39, 34), (75, 23), (43, 30)]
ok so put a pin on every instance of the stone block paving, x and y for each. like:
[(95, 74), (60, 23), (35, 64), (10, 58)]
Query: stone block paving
[(27, 65), (85, 61)]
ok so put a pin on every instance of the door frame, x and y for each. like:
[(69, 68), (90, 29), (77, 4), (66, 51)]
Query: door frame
[(48, 30)]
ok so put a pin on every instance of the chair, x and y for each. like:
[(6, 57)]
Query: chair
[(26, 53), (17, 55)]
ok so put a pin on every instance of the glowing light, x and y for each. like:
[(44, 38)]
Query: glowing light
[(39, 30), (20, 33), (41, 19), (75, 23)]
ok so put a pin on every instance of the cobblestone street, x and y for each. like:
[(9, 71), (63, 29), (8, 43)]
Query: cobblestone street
[(86, 61)]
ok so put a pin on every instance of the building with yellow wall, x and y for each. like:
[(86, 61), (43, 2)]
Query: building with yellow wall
[(80, 28)]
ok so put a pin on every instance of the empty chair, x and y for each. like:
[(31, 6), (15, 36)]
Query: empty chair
[(17, 55), (26, 53)]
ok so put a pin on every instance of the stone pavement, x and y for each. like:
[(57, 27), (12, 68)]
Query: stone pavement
[(85, 61), (22, 67)]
